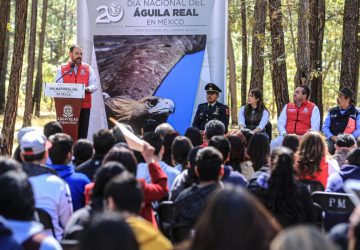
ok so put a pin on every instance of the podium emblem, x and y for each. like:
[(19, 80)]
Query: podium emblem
[(68, 111)]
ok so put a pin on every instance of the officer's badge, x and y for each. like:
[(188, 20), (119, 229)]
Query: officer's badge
[(216, 111)]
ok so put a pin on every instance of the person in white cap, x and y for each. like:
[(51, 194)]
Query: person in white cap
[(51, 193)]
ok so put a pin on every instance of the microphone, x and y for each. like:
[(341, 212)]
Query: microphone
[(72, 66)]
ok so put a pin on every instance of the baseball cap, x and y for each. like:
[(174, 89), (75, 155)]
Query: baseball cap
[(33, 143), (23, 131)]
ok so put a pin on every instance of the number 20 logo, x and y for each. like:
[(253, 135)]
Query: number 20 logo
[(109, 14)]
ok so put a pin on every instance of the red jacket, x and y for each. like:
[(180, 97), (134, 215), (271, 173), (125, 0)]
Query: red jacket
[(152, 191), (323, 175), (298, 119), (82, 76)]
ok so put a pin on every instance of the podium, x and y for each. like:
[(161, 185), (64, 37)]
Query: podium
[(68, 98)]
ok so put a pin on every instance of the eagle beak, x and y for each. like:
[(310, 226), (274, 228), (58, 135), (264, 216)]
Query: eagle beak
[(163, 106)]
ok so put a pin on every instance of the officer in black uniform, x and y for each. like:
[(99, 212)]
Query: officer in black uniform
[(212, 109)]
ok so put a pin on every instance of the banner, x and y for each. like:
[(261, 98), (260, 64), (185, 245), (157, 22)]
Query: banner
[(153, 58)]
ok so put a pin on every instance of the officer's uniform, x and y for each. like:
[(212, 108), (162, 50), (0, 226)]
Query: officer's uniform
[(217, 111)]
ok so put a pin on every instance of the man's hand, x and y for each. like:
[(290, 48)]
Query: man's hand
[(148, 153)]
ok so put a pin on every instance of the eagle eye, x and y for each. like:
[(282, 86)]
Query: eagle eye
[(152, 103)]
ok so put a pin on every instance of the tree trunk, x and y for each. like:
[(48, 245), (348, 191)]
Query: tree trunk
[(278, 73), (15, 76), (31, 65), (63, 38), (4, 46), (232, 80), (38, 81), (244, 53), (258, 40), (316, 38), (303, 52), (350, 45)]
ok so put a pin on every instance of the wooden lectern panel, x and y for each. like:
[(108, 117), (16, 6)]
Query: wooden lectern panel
[(68, 113)]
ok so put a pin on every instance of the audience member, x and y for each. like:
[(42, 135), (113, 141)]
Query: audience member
[(82, 150), (230, 176), (7, 240), (288, 200), (164, 128), (80, 219), (156, 140), (259, 150), (20, 134), (187, 177), (118, 135), (52, 128), (124, 194), (60, 154), (343, 145), (154, 191), (8, 164), (108, 231), (190, 203), (234, 219), (195, 136), (169, 138), (238, 159), (149, 126), (292, 142), (212, 128), (180, 149), (17, 206), (300, 238), (335, 182), (51, 193), (313, 163), (103, 142)]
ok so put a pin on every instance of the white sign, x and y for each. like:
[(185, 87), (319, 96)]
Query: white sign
[(64, 90)]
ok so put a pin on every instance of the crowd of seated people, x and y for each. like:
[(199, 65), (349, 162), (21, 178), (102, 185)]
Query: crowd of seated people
[(201, 190)]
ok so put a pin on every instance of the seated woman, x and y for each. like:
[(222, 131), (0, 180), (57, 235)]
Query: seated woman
[(287, 199), (313, 162), (254, 115)]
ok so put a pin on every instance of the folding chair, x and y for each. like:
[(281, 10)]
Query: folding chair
[(336, 207), (70, 244), (165, 213), (313, 185)]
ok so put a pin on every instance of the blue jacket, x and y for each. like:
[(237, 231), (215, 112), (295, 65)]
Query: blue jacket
[(233, 177), (7, 240), (76, 182), (336, 180)]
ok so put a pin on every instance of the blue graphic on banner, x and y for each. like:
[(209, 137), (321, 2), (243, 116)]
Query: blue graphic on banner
[(180, 86)]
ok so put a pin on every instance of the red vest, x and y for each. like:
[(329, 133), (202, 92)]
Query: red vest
[(82, 76), (299, 118)]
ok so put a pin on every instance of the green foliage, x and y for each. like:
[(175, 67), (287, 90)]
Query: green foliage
[(331, 48)]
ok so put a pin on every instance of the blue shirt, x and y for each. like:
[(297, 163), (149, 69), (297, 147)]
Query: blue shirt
[(326, 125), (143, 172), (76, 182)]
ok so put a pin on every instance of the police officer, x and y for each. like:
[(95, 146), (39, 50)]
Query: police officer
[(212, 109)]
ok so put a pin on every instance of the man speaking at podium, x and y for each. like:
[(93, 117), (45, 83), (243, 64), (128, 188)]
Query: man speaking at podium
[(75, 71)]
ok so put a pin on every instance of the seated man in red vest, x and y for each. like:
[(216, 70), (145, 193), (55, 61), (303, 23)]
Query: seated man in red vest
[(297, 117), (342, 119), (75, 71)]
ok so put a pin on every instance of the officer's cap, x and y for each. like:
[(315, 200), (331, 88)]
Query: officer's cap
[(212, 87)]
